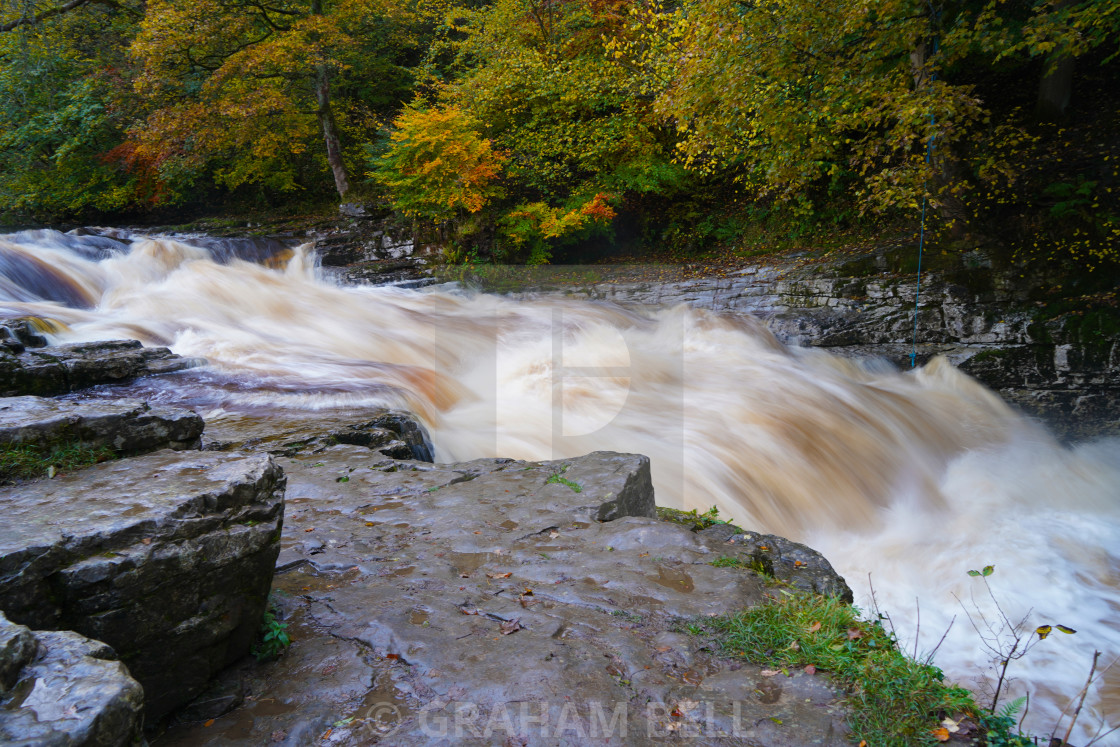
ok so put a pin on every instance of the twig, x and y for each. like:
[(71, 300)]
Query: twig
[(1081, 700), (917, 627), (931, 654)]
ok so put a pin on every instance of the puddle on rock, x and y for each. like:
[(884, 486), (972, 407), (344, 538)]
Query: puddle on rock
[(418, 616), (674, 578), (469, 562)]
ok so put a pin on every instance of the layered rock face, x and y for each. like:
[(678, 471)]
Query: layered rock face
[(168, 558), (60, 688), (499, 601), (1063, 369), (61, 369), (126, 426)]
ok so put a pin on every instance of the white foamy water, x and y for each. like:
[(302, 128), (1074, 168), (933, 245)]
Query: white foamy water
[(911, 477)]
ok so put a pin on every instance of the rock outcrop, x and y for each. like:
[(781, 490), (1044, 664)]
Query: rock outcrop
[(387, 432), (126, 426), (1063, 368), (60, 688), (168, 558), (500, 601), (61, 369)]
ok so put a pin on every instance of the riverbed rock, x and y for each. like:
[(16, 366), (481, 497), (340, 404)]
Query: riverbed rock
[(127, 426), (504, 602), (387, 432), (60, 369), (61, 688), (168, 558), (792, 563)]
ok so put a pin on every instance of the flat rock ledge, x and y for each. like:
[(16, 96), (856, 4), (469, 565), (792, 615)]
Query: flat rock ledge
[(505, 602), (167, 558), (60, 369), (62, 689), (127, 426)]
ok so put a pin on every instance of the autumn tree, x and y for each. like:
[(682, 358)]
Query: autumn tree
[(246, 84), (63, 106), (438, 166)]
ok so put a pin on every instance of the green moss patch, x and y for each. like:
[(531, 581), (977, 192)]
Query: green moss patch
[(30, 461)]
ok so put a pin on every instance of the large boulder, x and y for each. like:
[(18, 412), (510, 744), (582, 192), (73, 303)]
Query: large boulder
[(60, 688), (168, 558), (66, 368), (127, 426)]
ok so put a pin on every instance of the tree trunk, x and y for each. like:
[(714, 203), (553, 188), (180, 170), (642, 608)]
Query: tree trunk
[(330, 132), (326, 118), (1055, 89)]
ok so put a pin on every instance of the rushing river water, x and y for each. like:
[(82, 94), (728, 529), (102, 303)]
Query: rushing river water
[(904, 480)]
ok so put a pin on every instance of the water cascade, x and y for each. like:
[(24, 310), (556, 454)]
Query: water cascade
[(904, 480)]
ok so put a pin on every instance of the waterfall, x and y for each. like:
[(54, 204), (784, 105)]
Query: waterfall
[(904, 480)]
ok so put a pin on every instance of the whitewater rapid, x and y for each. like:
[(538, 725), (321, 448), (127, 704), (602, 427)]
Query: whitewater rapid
[(904, 480)]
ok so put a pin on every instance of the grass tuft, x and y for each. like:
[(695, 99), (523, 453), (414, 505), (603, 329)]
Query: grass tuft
[(30, 461), (893, 700)]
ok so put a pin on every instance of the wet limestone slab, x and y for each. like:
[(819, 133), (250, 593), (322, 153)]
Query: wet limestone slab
[(168, 558), (491, 602)]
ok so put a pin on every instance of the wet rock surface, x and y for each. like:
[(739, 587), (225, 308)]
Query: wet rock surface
[(168, 558), (792, 563), (59, 688), (386, 432), (126, 426), (487, 602), (60, 369)]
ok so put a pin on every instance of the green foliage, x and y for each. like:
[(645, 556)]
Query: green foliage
[(30, 461), (274, 637), (692, 519), (893, 700), (559, 479), (61, 113)]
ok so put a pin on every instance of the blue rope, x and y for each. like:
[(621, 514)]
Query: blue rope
[(921, 245), (922, 230)]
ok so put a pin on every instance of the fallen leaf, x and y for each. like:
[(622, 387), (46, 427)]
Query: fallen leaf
[(795, 646), (51, 472), (769, 672), (468, 610), (854, 633), (941, 734), (498, 575), (146, 541), (527, 593), (815, 627), (511, 626), (810, 669), (951, 725), (663, 649), (309, 529), (327, 733), (1064, 629), (553, 535), (209, 723), (392, 657)]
